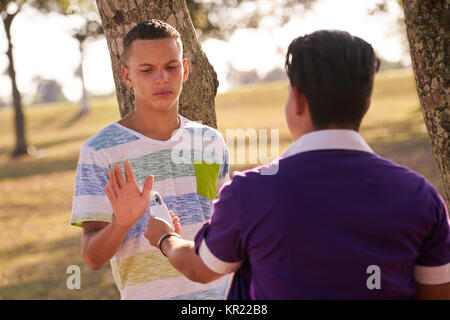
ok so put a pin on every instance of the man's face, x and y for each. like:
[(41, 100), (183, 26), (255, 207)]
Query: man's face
[(155, 70)]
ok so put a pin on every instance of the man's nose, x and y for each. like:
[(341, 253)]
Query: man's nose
[(161, 76)]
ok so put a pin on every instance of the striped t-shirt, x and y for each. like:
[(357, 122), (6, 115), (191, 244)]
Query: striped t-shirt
[(189, 170)]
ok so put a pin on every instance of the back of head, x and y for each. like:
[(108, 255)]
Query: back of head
[(335, 72), (149, 30)]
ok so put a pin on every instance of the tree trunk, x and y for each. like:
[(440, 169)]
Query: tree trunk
[(19, 119), (427, 26), (118, 17), (84, 103)]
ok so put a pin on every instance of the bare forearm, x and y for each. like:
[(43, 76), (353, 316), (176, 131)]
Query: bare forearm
[(182, 256), (100, 246), (180, 253), (433, 292)]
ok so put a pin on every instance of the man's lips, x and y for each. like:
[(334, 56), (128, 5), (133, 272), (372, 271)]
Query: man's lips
[(162, 93)]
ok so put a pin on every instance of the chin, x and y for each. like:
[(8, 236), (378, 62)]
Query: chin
[(164, 106)]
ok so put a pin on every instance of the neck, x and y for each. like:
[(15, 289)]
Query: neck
[(302, 129), (155, 124), (310, 128)]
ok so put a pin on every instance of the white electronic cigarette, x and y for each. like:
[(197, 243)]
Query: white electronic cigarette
[(160, 209)]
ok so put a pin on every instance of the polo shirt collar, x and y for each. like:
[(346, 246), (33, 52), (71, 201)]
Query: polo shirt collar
[(333, 139)]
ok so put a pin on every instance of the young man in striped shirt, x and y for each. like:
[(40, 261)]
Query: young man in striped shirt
[(149, 140)]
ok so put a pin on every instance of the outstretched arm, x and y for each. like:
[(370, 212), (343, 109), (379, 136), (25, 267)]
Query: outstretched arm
[(180, 252), (128, 203), (100, 242)]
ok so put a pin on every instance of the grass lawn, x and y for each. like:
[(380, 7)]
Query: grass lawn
[(37, 244)]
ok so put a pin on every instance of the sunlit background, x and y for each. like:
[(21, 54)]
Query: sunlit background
[(43, 46), (37, 244)]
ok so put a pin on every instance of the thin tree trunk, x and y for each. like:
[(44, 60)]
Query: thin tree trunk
[(118, 17), (19, 119), (84, 103), (427, 26)]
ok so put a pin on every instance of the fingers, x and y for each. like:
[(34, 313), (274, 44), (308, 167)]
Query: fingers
[(110, 193), (129, 172), (176, 222), (176, 225), (148, 184), (119, 177), (113, 183), (156, 227)]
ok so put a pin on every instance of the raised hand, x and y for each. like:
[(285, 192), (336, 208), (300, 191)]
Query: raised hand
[(127, 202)]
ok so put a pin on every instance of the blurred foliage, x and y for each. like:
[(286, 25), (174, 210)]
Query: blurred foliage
[(210, 18), (12, 7), (219, 19), (85, 8), (384, 7)]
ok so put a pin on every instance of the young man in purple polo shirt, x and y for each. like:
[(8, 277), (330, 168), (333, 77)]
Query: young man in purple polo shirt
[(336, 221)]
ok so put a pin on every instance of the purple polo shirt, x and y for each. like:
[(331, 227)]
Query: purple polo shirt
[(317, 228)]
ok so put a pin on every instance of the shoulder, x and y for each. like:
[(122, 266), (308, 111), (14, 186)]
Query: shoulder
[(196, 128), (399, 177), (402, 173), (110, 136), (258, 179), (100, 148)]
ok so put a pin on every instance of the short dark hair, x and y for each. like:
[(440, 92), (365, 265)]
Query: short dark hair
[(148, 30), (335, 72)]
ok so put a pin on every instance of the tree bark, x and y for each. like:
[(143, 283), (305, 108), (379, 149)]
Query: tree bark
[(19, 119), (199, 91), (427, 26)]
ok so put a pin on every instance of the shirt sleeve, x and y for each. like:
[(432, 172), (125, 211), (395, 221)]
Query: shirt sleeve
[(219, 242), (433, 264), (90, 202)]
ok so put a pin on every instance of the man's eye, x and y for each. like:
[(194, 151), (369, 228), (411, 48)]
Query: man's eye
[(146, 70), (172, 67)]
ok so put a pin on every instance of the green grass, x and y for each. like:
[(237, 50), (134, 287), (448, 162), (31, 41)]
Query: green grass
[(37, 244)]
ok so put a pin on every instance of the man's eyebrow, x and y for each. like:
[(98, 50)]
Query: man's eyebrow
[(150, 65)]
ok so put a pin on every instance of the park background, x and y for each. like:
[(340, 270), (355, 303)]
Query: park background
[(37, 244)]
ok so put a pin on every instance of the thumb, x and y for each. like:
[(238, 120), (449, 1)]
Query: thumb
[(148, 184)]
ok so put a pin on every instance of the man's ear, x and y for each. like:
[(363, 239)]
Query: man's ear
[(185, 69), (125, 75), (300, 102)]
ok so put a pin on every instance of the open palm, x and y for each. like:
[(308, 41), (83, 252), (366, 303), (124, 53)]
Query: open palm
[(127, 202)]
